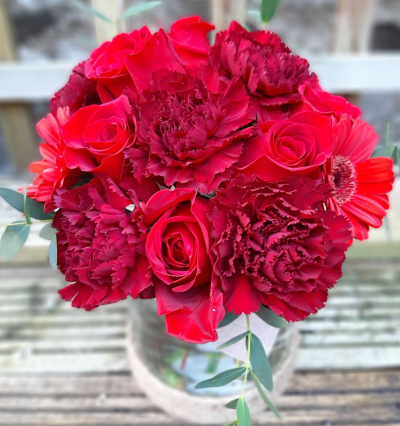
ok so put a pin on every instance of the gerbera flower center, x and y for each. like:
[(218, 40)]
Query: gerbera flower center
[(344, 179)]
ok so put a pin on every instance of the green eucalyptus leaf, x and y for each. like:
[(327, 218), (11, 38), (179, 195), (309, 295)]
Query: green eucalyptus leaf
[(14, 238), (135, 10), (264, 396), (232, 404), (271, 318), (233, 341), (268, 9), (53, 252), (259, 362), (48, 232), (243, 413), (390, 151), (222, 379), (16, 200), (26, 209), (228, 318), (90, 10)]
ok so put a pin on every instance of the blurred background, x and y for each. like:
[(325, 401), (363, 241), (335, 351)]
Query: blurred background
[(58, 366)]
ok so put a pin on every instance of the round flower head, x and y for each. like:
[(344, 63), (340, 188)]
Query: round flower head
[(275, 245)]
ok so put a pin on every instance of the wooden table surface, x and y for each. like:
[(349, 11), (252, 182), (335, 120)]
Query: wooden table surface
[(60, 366)]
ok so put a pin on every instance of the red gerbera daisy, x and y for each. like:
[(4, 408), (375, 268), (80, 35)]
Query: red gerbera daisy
[(360, 183)]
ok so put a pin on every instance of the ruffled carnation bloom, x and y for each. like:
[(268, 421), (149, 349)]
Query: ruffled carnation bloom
[(299, 145), (96, 137), (360, 183), (190, 134), (274, 245), (52, 169), (316, 99), (177, 249), (100, 246), (77, 93), (271, 73)]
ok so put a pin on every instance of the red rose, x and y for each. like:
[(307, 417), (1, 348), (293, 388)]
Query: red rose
[(189, 37), (298, 145), (100, 246), (189, 134), (96, 137), (315, 99), (177, 249), (274, 244), (77, 93), (52, 169), (107, 66), (272, 75)]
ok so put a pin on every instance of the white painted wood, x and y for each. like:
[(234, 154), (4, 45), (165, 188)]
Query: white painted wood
[(338, 74), (351, 339), (348, 358)]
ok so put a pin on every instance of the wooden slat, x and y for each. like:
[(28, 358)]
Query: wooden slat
[(338, 74)]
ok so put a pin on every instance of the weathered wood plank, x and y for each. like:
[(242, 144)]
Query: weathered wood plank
[(348, 358), (64, 363), (351, 339), (338, 74)]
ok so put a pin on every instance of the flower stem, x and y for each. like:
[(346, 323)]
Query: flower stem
[(248, 356), (32, 223)]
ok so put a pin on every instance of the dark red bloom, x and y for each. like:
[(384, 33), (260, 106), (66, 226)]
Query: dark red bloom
[(100, 246), (106, 64), (360, 183), (316, 99), (96, 137), (177, 249), (272, 75), (274, 245), (189, 134), (298, 145), (52, 169), (189, 37), (77, 93)]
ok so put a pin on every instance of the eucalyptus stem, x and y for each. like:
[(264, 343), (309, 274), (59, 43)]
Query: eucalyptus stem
[(32, 223), (248, 356)]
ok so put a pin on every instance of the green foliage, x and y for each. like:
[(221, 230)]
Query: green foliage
[(228, 318), (222, 379), (16, 200), (90, 10), (48, 232), (232, 404), (234, 340), (26, 209), (271, 318), (243, 413), (268, 9), (264, 396), (53, 252), (14, 238), (135, 10), (390, 151), (259, 362)]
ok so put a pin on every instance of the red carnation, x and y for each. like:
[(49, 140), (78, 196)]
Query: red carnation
[(100, 246), (177, 248), (275, 245), (360, 183), (190, 134), (77, 93), (272, 75), (52, 169)]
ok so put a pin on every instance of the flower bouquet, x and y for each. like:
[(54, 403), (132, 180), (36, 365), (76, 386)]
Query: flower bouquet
[(221, 181)]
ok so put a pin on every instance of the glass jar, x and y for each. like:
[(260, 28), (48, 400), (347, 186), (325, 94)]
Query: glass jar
[(167, 368)]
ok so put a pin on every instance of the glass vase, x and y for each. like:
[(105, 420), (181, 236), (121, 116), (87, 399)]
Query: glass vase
[(168, 369)]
